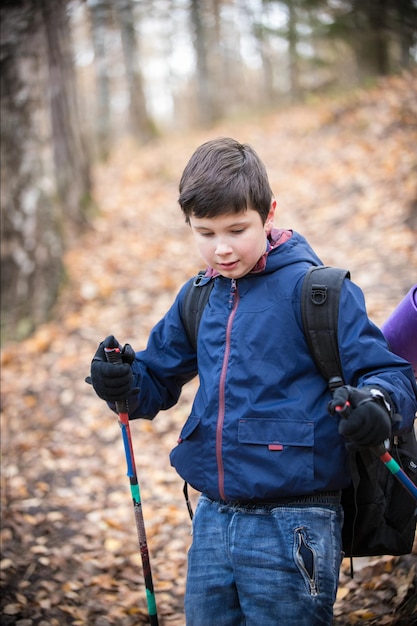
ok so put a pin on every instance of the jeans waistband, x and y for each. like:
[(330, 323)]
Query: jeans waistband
[(329, 498)]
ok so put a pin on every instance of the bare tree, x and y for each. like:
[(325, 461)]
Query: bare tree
[(44, 175), (71, 164), (140, 122), (381, 33), (371, 41), (199, 26), (99, 16)]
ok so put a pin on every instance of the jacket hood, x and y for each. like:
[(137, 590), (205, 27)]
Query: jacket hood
[(288, 250)]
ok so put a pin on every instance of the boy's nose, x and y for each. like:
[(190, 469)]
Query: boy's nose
[(223, 248)]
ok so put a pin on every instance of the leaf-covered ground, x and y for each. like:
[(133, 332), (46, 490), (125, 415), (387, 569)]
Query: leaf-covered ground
[(344, 173)]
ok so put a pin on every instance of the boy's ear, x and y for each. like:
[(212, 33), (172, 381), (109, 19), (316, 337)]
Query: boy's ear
[(270, 219)]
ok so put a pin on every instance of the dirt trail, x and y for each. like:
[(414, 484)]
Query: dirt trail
[(344, 173)]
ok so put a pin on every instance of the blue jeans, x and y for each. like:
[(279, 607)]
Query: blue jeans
[(263, 566)]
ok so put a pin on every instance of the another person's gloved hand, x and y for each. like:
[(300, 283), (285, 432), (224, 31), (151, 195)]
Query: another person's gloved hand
[(112, 381), (365, 414)]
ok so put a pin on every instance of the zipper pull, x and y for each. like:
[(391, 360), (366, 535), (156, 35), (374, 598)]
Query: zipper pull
[(233, 289)]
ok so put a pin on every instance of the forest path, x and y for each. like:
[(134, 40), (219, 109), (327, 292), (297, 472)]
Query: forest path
[(344, 174)]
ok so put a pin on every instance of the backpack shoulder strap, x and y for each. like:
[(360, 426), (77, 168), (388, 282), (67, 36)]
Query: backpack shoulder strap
[(320, 310), (195, 299)]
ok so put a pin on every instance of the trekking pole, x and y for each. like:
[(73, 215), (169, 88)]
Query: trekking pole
[(392, 465), (399, 330), (113, 356)]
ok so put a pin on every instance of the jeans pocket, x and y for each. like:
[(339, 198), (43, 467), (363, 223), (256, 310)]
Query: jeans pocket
[(306, 560)]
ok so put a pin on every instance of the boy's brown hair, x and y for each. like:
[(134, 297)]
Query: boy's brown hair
[(224, 176)]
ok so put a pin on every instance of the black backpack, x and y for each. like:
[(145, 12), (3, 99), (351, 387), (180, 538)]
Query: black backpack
[(380, 515)]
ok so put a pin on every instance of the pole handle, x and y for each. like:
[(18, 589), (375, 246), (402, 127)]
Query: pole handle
[(114, 355)]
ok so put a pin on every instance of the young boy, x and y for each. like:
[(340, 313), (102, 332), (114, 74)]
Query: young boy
[(260, 445)]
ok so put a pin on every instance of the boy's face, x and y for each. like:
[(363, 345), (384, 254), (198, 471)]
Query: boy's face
[(233, 243)]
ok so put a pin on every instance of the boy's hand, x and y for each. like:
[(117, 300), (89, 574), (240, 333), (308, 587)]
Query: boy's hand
[(365, 412), (112, 381)]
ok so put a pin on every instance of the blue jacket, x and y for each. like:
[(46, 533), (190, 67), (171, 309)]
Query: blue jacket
[(259, 428)]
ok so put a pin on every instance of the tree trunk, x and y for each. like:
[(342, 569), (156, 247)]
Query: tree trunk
[(99, 13), (405, 20), (206, 112), (71, 164), (140, 123), (371, 40), (44, 174), (292, 51)]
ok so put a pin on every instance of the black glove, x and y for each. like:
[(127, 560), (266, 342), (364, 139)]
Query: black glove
[(366, 414), (112, 381)]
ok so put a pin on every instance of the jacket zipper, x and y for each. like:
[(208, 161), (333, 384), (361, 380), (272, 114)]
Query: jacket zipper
[(233, 303)]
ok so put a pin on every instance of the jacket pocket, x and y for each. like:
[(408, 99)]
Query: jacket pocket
[(187, 456), (189, 427), (276, 457), (306, 560), (268, 431)]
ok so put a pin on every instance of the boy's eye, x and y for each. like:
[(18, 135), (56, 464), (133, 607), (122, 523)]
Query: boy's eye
[(238, 231)]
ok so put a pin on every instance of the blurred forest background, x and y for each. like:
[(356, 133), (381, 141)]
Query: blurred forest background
[(77, 76), (102, 104)]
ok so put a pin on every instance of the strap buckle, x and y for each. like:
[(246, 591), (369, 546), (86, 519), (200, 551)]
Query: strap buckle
[(318, 294)]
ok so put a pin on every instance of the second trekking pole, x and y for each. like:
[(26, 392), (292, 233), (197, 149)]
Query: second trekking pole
[(392, 465), (383, 454), (113, 356)]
